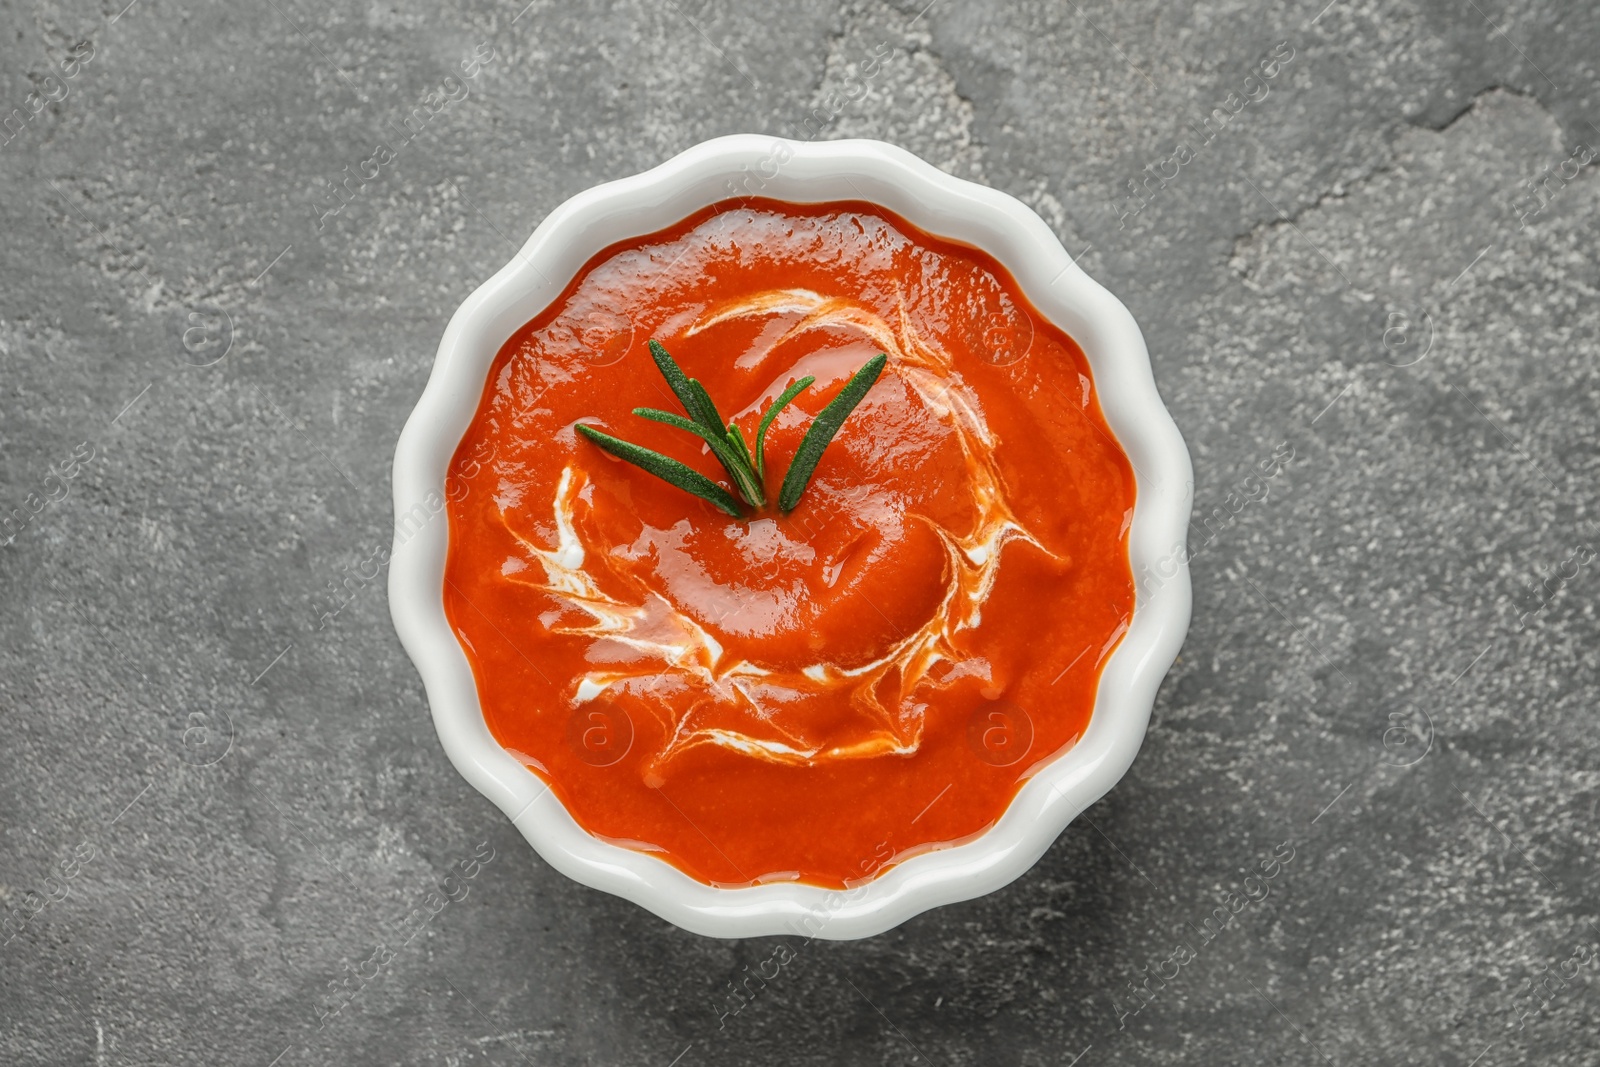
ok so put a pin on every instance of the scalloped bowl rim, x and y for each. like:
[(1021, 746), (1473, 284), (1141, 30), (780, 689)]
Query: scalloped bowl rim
[(800, 172)]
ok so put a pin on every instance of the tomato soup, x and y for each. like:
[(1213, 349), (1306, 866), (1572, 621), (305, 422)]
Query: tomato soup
[(813, 695)]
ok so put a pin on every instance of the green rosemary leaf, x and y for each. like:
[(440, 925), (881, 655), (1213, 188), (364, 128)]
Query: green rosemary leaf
[(710, 416), (822, 431), (736, 439), (740, 471), (672, 418), (766, 420), (666, 468), (686, 391)]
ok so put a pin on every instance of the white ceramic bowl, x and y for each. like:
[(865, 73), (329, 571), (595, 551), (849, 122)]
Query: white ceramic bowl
[(939, 204)]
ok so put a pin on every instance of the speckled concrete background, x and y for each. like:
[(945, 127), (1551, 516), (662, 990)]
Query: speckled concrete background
[(215, 816)]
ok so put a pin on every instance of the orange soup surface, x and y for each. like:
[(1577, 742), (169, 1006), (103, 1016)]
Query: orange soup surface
[(818, 695)]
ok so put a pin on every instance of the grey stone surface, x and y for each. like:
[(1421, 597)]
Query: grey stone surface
[(211, 808)]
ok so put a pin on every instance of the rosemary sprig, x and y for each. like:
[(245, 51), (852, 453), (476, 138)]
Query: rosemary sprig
[(746, 467)]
